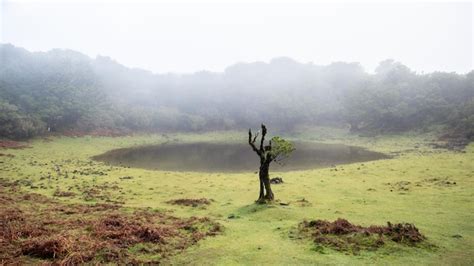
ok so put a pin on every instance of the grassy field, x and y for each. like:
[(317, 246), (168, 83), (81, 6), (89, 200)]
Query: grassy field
[(432, 188)]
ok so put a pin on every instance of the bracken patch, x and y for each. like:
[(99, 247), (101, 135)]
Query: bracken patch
[(34, 227), (190, 202), (10, 144), (342, 235), (59, 193)]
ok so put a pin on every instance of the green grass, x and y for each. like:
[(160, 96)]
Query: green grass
[(260, 234)]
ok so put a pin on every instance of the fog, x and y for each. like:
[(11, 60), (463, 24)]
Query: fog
[(251, 132), (168, 36), (147, 67)]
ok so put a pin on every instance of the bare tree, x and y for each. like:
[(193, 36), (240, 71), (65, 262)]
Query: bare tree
[(276, 150)]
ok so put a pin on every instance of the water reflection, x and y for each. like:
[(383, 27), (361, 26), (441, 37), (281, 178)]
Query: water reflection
[(221, 157)]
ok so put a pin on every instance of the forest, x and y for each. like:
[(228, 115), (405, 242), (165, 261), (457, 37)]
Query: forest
[(65, 91)]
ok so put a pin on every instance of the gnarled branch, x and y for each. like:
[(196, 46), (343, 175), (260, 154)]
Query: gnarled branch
[(264, 132), (252, 142)]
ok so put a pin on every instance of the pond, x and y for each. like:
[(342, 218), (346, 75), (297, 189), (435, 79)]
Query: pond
[(233, 157)]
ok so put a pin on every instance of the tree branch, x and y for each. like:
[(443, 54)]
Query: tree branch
[(264, 132), (255, 137), (252, 142)]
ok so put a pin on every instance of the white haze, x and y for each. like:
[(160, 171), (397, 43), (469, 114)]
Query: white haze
[(188, 37)]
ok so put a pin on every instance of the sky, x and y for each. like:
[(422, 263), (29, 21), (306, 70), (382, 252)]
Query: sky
[(189, 36)]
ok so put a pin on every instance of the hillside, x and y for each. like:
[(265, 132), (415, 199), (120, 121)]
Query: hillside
[(63, 90)]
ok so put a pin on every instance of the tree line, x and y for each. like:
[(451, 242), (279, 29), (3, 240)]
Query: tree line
[(64, 90)]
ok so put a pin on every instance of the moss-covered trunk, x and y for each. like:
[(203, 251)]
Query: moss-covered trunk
[(265, 182)]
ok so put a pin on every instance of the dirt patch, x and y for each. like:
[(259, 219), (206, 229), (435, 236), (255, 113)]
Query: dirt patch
[(344, 236), (36, 229), (10, 144), (190, 202)]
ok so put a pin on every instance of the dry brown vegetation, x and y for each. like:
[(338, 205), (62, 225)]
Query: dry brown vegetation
[(10, 144), (190, 202), (342, 235), (35, 228)]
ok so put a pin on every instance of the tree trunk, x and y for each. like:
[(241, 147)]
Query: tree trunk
[(261, 197), (265, 179), (266, 193), (268, 189)]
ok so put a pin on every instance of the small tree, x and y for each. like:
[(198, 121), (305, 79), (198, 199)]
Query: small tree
[(277, 150)]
